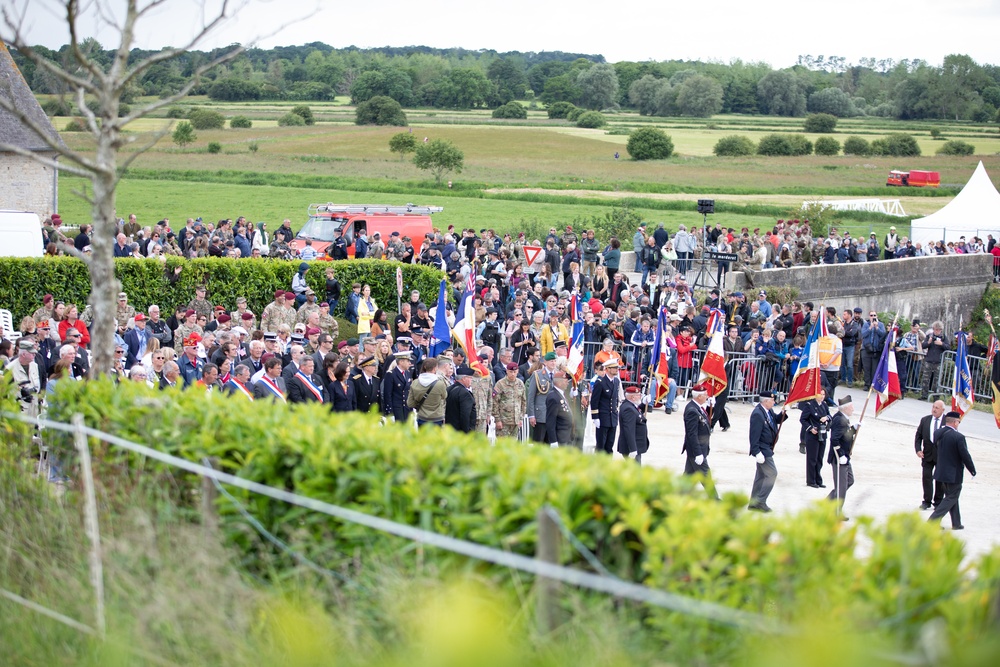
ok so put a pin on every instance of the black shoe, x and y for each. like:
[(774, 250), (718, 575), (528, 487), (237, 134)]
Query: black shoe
[(725, 428), (925, 506), (821, 486), (813, 486), (759, 508), (958, 527), (669, 411), (845, 518), (802, 448)]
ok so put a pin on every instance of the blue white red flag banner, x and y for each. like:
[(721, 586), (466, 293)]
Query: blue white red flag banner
[(993, 364), (713, 367), (808, 381), (441, 336), (464, 333), (573, 309), (962, 397), (660, 361), (885, 382), (574, 362)]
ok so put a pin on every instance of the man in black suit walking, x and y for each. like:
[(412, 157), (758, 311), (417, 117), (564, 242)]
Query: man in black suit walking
[(604, 406), (763, 434), (558, 418), (925, 442), (633, 436), (815, 420), (460, 407), (697, 431), (952, 458)]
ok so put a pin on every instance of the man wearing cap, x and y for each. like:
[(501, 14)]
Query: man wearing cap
[(26, 376), (244, 315), (633, 434), (200, 304), (136, 340), (558, 416), (509, 403), (482, 392), (123, 311), (604, 403), (697, 432), (47, 311), (763, 434), (366, 386), (538, 385), (842, 435), (952, 460), (890, 244), (460, 407), (396, 387), (273, 315), (815, 420)]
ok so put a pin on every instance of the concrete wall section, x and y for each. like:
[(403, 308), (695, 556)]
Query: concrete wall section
[(930, 288), (26, 185)]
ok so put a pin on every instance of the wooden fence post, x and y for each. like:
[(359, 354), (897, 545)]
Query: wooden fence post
[(91, 522), (547, 590), (209, 494)]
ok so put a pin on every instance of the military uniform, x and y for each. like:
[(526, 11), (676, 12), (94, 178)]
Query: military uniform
[(509, 405), (395, 388), (482, 391), (123, 314), (305, 310), (328, 324), (44, 313), (271, 318), (539, 384), (182, 332), (202, 307), (288, 316), (250, 325)]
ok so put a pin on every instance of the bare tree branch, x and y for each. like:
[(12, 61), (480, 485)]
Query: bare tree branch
[(127, 162), (43, 133), (43, 160)]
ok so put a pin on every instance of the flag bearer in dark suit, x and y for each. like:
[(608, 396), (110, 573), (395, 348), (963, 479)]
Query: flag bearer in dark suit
[(558, 417), (395, 388), (816, 423), (952, 458), (763, 434), (697, 431), (366, 385), (841, 445), (632, 433), (604, 406), (925, 442), (460, 406)]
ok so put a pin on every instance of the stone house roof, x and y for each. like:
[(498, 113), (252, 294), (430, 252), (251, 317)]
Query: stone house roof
[(13, 86)]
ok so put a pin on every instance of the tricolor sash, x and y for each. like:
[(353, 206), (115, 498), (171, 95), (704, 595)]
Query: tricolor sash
[(272, 387), (310, 386), (242, 389)]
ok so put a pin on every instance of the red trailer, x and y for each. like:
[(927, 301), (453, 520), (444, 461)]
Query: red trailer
[(914, 179)]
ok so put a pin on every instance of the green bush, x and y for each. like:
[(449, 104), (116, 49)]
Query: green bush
[(800, 144), (380, 110), (206, 119), (591, 119), (57, 107), (214, 147), (240, 123), (75, 125), (827, 146), (510, 110), (784, 144), (857, 146), (734, 145), (306, 113), (402, 143), (560, 109), (574, 114), (956, 147), (649, 143), (820, 123), (23, 280), (176, 112), (896, 145), (291, 120)]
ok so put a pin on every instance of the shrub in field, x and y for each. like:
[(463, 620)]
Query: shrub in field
[(380, 110), (402, 143), (75, 125), (896, 145), (591, 119), (649, 143), (857, 146), (214, 147), (820, 123), (800, 144), (574, 114), (956, 147), (206, 119), (438, 157), (183, 134), (291, 120), (560, 109), (253, 146), (936, 133), (57, 107), (146, 280), (176, 112), (240, 123), (734, 145), (832, 101), (827, 146), (510, 110), (775, 144), (306, 113)]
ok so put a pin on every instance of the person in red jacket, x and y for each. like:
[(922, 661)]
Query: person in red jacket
[(71, 321), (996, 262), (686, 346)]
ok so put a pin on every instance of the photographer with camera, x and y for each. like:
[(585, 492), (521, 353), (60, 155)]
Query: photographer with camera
[(25, 373), (935, 344), (815, 421), (873, 335)]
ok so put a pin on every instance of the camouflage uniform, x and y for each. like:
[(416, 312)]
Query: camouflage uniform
[(328, 324), (202, 307), (87, 316), (123, 314), (271, 318), (288, 316), (183, 331), (250, 326), (482, 391), (305, 310), (567, 238), (509, 405), (44, 313)]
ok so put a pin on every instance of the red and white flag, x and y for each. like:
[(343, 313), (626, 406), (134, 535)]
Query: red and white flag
[(886, 379), (808, 380), (713, 367), (464, 333)]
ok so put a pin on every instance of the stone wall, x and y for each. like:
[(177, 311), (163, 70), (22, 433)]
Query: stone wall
[(26, 185), (930, 288)]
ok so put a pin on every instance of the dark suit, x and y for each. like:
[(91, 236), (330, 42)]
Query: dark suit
[(841, 444), (460, 409), (952, 460), (558, 419), (633, 435), (261, 391), (367, 391), (298, 392), (604, 407), (812, 414), (342, 399), (697, 432), (763, 433), (924, 441), (395, 388)]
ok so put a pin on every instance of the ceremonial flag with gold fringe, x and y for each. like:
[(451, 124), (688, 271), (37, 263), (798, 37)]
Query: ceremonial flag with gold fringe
[(993, 363), (713, 367), (808, 381)]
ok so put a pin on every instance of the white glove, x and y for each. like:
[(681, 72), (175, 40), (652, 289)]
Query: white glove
[(711, 402), (554, 445), (699, 459), (597, 423), (760, 457), (856, 425), (843, 460)]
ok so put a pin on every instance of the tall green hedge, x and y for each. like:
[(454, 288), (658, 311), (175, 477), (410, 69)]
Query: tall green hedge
[(24, 281), (644, 524)]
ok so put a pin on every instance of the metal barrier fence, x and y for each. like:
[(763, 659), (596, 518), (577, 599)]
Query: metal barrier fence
[(979, 371)]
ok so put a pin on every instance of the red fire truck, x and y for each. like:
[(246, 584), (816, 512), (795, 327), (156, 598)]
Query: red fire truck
[(914, 179), (329, 221)]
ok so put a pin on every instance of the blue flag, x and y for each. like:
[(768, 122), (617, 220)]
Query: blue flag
[(441, 336)]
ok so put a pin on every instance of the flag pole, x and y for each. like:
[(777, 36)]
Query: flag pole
[(872, 387)]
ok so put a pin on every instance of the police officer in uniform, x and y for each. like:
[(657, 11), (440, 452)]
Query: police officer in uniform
[(697, 431), (841, 445)]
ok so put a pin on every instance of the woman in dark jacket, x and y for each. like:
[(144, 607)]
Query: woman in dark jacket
[(342, 398), (521, 341)]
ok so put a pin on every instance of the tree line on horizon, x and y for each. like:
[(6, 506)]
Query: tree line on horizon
[(418, 76)]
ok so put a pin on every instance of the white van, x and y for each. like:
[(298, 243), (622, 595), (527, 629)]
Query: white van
[(20, 234)]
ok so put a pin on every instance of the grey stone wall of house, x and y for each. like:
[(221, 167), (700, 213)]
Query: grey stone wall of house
[(26, 185), (930, 288)]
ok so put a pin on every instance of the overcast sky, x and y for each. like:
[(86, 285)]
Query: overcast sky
[(774, 31)]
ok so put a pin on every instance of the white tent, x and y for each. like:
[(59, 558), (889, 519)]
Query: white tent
[(975, 211)]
